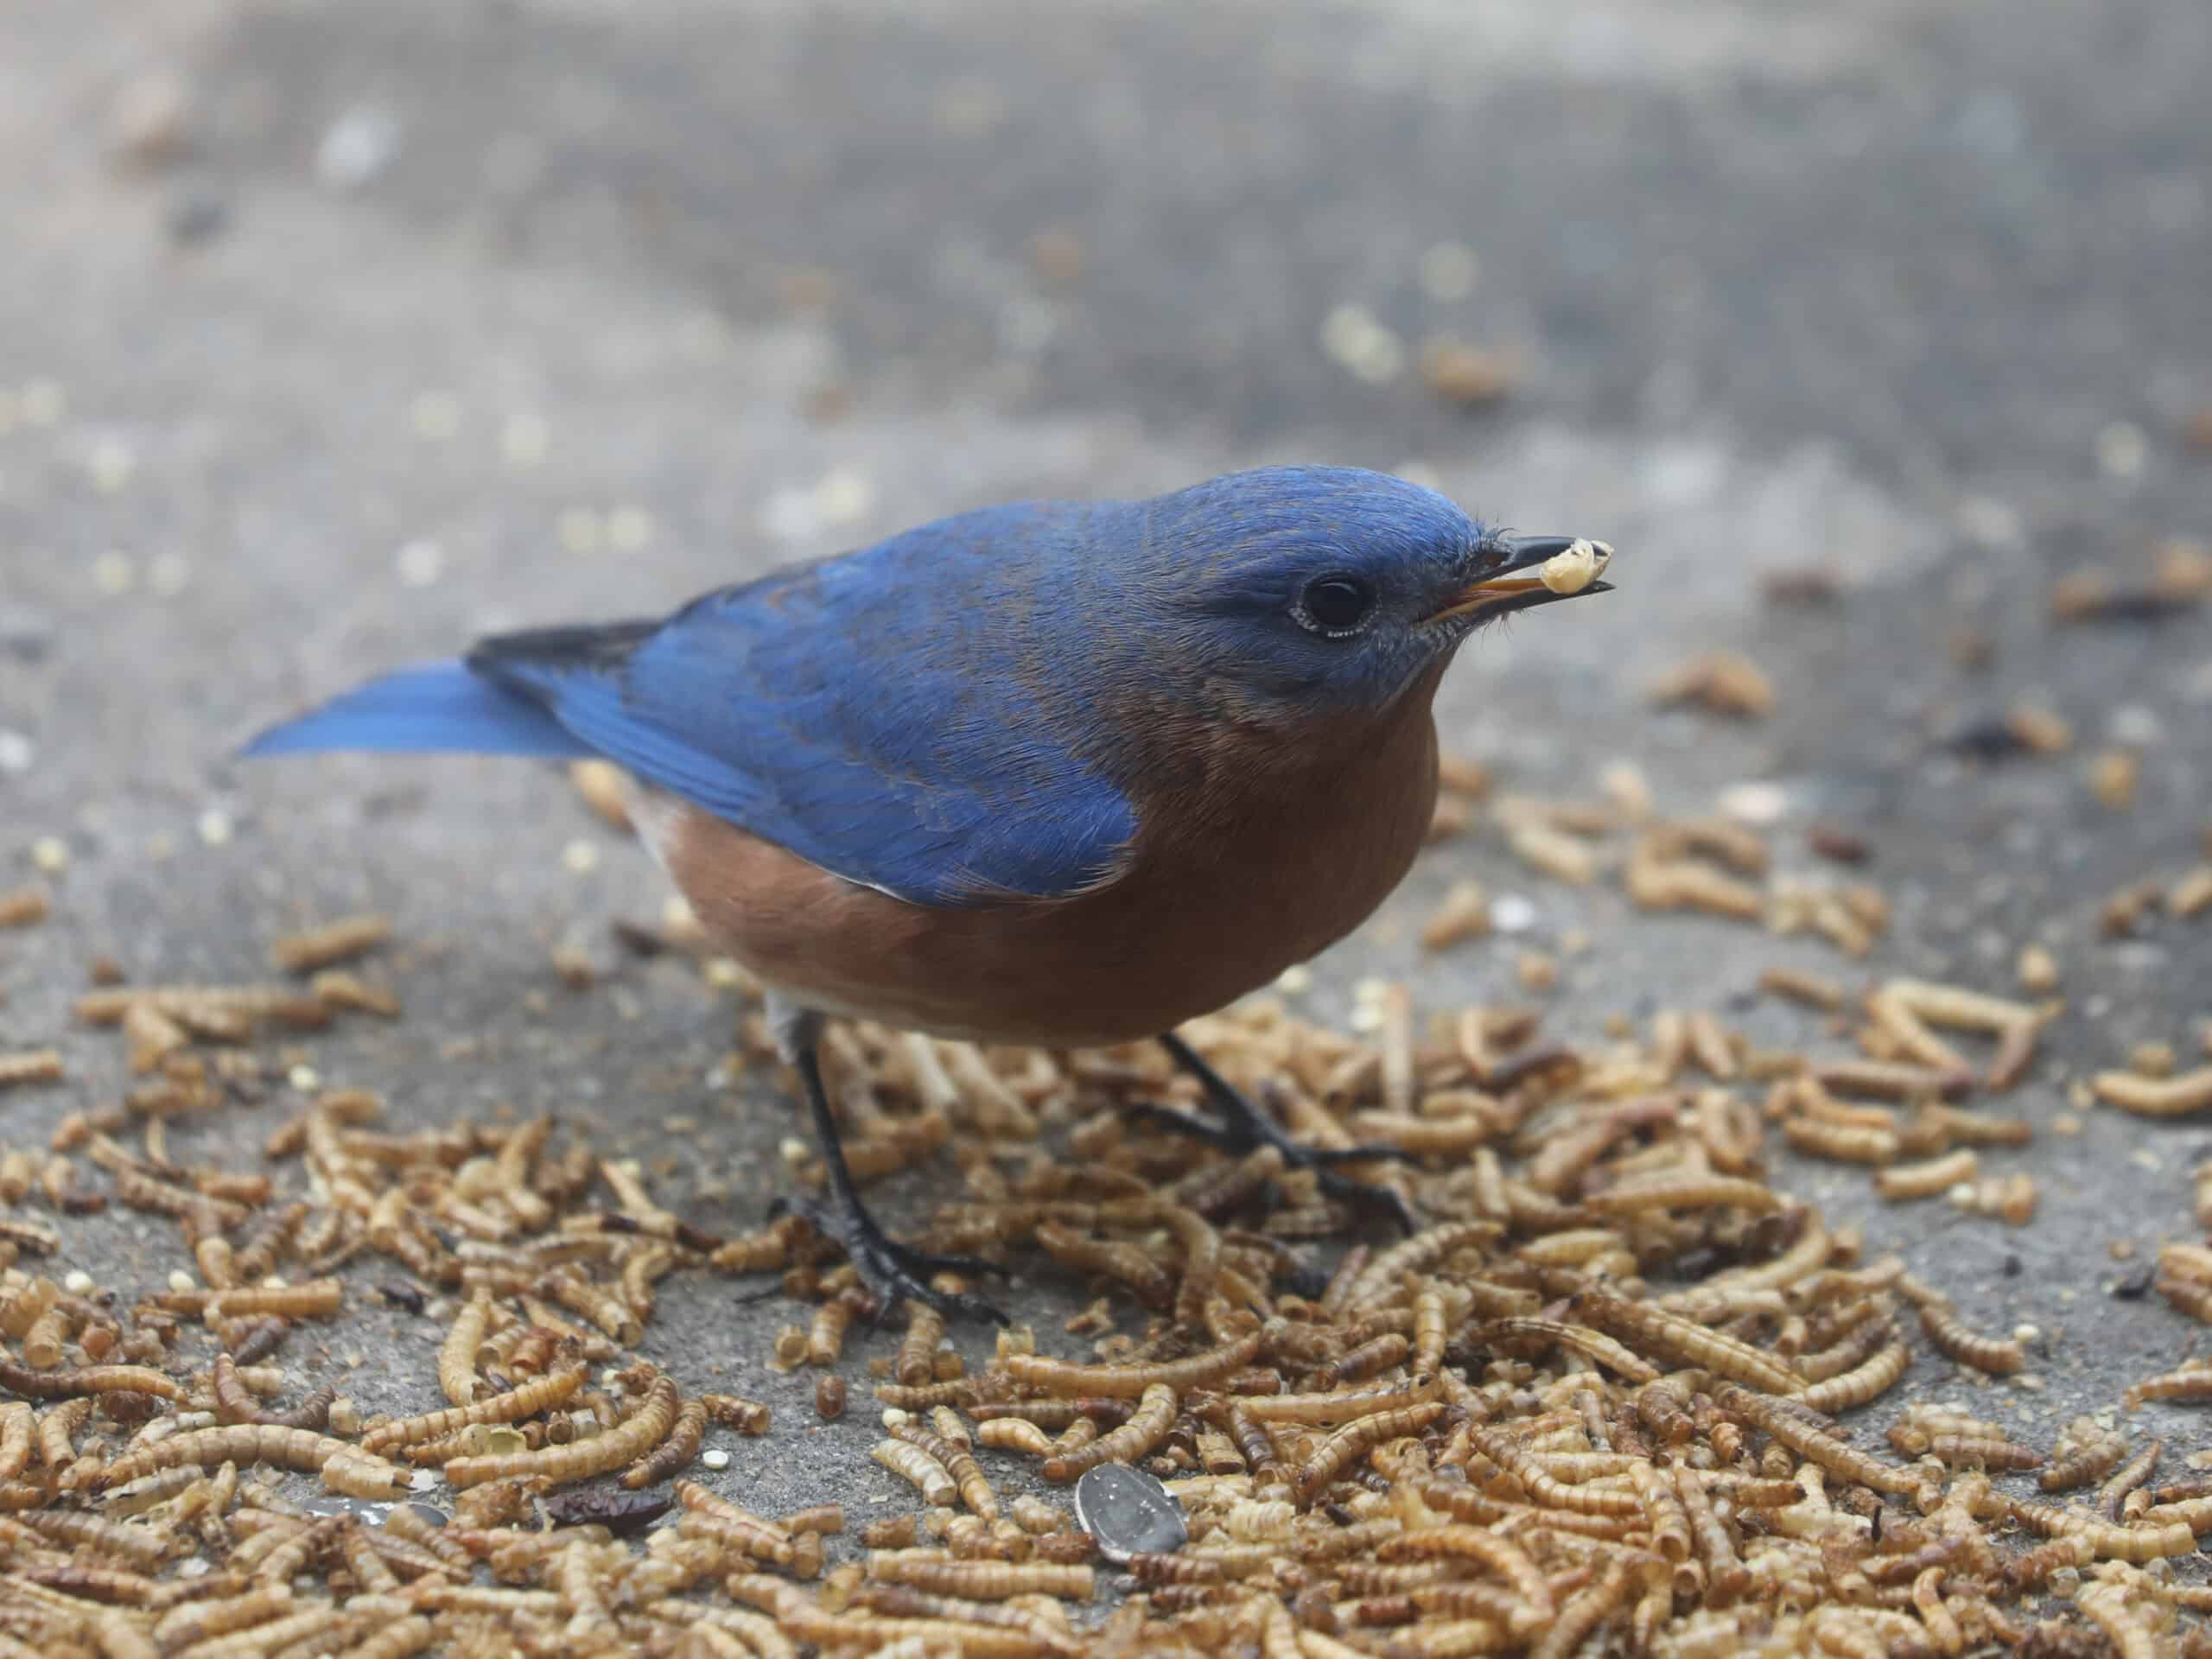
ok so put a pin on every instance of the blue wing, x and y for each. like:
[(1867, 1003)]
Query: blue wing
[(885, 715)]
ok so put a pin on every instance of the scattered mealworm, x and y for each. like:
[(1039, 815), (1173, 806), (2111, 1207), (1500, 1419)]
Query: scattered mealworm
[(31, 1066), (1811, 990), (1463, 915), (1928, 1177), (24, 906), (926, 1473), (2175, 1096), (328, 945), (1719, 682)]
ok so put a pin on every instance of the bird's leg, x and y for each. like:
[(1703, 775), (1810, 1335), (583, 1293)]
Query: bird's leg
[(889, 1269), (1242, 1127)]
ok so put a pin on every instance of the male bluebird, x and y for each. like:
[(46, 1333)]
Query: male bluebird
[(1063, 773)]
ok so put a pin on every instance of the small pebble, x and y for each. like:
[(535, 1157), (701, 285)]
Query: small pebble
[(580, 857), (629, 529), (2122, 448), (304, 1078), (419, 564), (434, 415), (180, 1281), (1755, 803), (579, 531), (111, 464), (215, 827), (169, 574), (356, 147), (1511, 913), (1447, 271), (115, 574), (2038, 970), (1358, 341), (525, 439), (50, 854), (40, 401), (78, 1283), (714, 1459)]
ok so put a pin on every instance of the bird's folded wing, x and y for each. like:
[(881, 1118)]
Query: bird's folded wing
[(867, 729)]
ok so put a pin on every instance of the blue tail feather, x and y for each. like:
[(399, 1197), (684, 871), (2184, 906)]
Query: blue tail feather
[(440, 708)]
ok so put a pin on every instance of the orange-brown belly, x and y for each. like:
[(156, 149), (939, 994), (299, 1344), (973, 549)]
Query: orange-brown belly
[(1176, 936)]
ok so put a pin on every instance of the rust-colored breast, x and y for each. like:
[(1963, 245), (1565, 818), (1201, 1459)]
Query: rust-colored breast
[(1266, 865)]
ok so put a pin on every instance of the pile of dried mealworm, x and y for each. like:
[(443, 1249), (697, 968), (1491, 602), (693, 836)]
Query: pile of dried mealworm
[(1598, 1406)]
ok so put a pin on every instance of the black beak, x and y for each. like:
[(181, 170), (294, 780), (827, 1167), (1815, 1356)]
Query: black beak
[(1500, 588)]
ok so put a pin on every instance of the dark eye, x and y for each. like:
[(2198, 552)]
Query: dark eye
[(1335, 604)]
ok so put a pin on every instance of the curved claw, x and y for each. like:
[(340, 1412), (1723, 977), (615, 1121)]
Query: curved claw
[(894, 1271), (1330, 1157), (1244, 1126), (1366, 1195)]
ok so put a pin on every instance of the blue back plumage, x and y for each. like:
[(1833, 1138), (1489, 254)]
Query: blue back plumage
[(973, 710)]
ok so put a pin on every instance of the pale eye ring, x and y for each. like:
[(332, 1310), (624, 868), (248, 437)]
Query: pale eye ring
[(1336, 605)]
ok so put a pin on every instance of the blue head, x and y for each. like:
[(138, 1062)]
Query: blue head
[(1298, 589)]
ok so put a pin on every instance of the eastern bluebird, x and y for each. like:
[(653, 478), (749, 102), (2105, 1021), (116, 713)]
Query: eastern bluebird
[(1063, 773)]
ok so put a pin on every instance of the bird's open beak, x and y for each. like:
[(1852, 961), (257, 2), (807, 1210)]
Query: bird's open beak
[(1507, 582)]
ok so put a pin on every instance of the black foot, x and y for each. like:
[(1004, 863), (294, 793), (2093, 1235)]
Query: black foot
[(1244, 1127), (894, 1271)]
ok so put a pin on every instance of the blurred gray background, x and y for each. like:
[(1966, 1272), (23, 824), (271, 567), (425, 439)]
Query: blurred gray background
[(332, 335)]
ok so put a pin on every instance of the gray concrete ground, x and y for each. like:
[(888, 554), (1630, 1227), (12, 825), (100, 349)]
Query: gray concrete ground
[(443, 317)]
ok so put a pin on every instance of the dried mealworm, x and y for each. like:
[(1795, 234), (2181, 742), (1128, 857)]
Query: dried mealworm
[(87, 1379), (1147, 1279), (1313, 1409), (1014, 1434), (329, 944), (234, 1404), (202, 1621), (457, 1375), (917, 1358), (24, 906), (916, 1466), (1532, 1603), (1841, 1142), (1868, 1380), (1130, 1381), (31, 1066), (2086, 1451), (1148, 1426), (314, 1298), (1928, 1177), (1689, 1342), (1772, 1418), (674, 1454), (2125, 1479), (2175, 1096), (1998, 1356), (745, 1417), (15, 1425), (542, 1394), (1352, 1441), (2191, 1382), (243, 1444), (958, 1462), (625, 1443), (929, 1571)]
